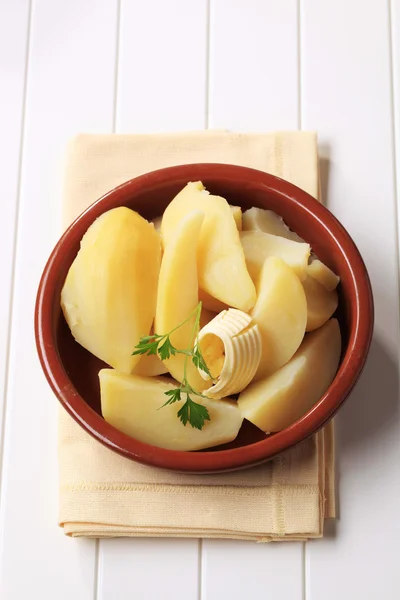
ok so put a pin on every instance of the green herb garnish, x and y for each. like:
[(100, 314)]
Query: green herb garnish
[(190, 412)]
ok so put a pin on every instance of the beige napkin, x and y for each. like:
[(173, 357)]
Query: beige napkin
[(105, 495)]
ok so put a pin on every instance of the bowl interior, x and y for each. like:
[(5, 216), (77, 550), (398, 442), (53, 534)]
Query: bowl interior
[(82, 367), (149, 195)]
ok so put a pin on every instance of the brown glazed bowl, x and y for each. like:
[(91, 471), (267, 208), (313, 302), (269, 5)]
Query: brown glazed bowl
[(72, 372)]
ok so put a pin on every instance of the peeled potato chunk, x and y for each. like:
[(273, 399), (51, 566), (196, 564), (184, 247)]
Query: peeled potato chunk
[(321, 304), (281, 315), (221, 264), (279, 400), (177, 295), (260, 219), (109, 295), (132, 405), (237, 215), (258, 246), (323, 274), (150, 366)]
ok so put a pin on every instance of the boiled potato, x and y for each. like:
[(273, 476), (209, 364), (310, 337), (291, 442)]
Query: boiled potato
[(258, 246), (323, 274), (279, 400), (177, 295), (222, 271), (109, 295), (281, 315), (321, 304), (132, 405), (237, 215), (150, 366), (260, 219)]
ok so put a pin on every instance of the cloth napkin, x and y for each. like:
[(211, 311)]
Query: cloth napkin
[(105, 495)]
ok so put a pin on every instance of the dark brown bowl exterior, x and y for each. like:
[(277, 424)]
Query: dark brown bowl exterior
[(72, 372)]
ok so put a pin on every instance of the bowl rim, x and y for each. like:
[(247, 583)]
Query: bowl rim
[(220, 460)]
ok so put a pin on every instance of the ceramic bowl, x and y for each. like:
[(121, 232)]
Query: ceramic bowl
[(72, 372)]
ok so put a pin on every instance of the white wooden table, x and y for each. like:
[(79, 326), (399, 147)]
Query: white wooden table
[(158, 65)]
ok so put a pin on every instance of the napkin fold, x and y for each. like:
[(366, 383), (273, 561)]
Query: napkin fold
[(105, 495)]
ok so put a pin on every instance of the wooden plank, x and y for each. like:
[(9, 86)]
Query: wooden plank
[(148, 569), (14, 19), (244, 569), (162, 66), (346, 96), (253, 65), (161, 87), (69, 89), (253, 86)]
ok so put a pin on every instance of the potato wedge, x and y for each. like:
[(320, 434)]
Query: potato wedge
[(258, 246), (323, 274), (177, 295), (260, 219), (222, 271), (276, 402), (132, 405), (237, 215), (150, 366), (281, 315), (109, 295), (321, 304)]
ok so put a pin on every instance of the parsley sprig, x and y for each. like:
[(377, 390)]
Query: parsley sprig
[(190, 412)]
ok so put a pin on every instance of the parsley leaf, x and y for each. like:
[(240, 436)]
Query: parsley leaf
[(148, 345), (166, 349), (194, 413), (173, 396)]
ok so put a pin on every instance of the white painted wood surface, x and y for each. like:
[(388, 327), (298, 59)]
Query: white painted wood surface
[(352, 110), (70, 88), (14, 21), (267, 101), (130, 65), (162, 67)]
